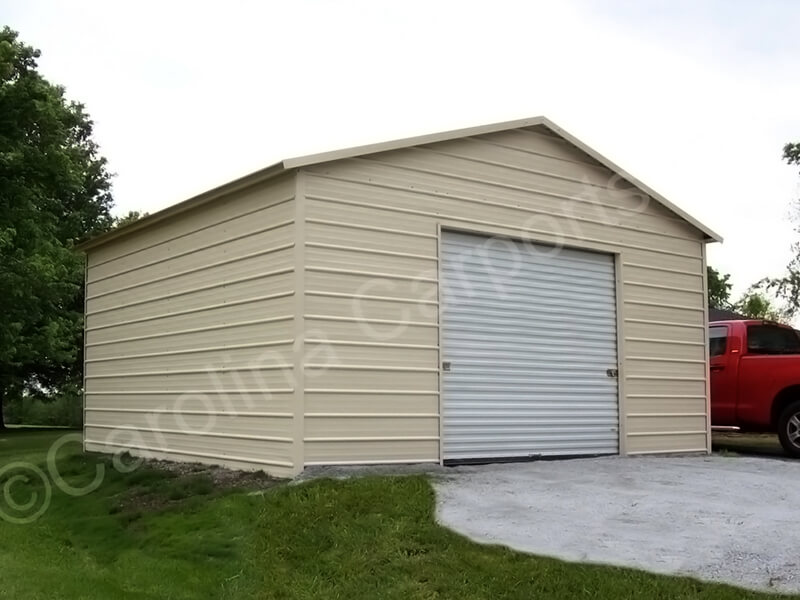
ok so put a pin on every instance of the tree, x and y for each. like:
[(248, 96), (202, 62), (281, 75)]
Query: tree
[(131, 217), (787, 287), (54, 191), (756, 305), (791, 153), (719, 289)]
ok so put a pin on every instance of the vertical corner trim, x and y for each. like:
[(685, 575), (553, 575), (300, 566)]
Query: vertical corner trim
[(706, 341), (439, 355), (85, 319), (622, 410), (298, 428)]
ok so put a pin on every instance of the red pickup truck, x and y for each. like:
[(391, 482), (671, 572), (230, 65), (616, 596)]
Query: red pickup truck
[(755, 379)]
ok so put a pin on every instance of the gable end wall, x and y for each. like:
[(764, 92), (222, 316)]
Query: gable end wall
[(372, 229)]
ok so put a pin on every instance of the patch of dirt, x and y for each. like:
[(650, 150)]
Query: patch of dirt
[(179, 482), (220, 476), (137, 501)]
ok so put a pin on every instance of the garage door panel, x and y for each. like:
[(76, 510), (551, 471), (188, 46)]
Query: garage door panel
[(539, 364), (564, 348), (507, 282), (529, 337), (560, 445), (522, 377), (511, 257), (539, 428), (549, 271), (519, 404), (563, 315), (500, 327)]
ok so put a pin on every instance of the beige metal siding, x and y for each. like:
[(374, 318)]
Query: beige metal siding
[(371, 287), (190, 332)]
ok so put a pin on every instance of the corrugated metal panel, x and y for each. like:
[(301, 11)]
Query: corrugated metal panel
[(474, 198), (239, 401), (529, 335), (241, 205), (194, 447), (190, 332), (388, 354), (251, 331), (148, 323), (231, 269), (358, 377), (274, 467), (326, 425), (211, 423), (193, 253), (378, 238), (366, 449), (367, 330), (256, 353), (673, 441), (386, 401), (197, 302)]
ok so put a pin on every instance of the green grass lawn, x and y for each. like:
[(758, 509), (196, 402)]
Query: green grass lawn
[(147, 534), (156, 534)]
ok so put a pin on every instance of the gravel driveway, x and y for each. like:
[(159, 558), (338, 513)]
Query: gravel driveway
[(729, 519)]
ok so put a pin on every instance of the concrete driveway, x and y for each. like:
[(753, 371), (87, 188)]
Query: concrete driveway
[(728, 519)]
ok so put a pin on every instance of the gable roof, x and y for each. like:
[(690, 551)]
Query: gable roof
[(313, 159)]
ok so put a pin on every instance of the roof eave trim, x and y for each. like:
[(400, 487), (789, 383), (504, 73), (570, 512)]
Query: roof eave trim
[(711, 235), (442, 136), (232, 186)]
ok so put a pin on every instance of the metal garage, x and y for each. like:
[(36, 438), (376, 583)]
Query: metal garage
[(466, 295), (529, 344)]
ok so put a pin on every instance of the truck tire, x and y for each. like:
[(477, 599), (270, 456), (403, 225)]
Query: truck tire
[(789, 429)]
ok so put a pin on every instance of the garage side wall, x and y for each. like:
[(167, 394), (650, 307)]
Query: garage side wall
[(189, 332), (371, 287)]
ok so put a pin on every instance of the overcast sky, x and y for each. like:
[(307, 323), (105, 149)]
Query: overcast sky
[(694, 98)]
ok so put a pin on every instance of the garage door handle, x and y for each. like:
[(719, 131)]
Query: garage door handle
[(612, 372), (717, 368), (446, 366)]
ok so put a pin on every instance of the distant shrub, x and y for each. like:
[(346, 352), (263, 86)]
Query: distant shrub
[(66, 410)]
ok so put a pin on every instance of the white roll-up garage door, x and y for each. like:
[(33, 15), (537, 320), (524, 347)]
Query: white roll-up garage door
[(529, 350)]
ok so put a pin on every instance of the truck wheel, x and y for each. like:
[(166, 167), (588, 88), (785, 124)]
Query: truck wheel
[(789, 429)]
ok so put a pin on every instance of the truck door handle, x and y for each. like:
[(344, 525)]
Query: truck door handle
[(717, 367)]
